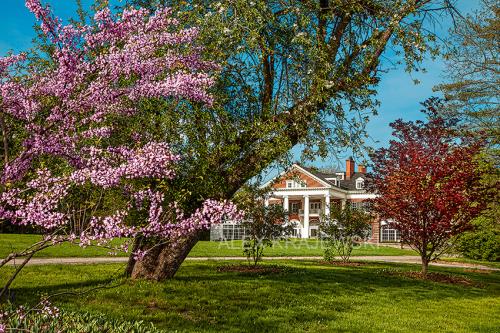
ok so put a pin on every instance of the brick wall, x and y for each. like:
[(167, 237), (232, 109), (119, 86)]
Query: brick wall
[(375, 232), (294, 175)]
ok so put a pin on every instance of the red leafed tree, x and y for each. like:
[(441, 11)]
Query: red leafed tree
[(427, 183)]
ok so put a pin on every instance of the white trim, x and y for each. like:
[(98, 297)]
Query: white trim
[(301, 192), (362, 196)]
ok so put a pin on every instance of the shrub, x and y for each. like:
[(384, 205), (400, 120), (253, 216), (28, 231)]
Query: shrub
[(481, 243), (263, 223), (262, 226), (341, 228)]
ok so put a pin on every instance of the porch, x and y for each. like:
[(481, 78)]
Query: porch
[(306, 210)]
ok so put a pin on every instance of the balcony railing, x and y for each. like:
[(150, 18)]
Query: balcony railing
[(311, 211)]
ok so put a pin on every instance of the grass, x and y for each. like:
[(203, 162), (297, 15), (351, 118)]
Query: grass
[(493, 264), (294, 247), (309, 297), (16, 242)]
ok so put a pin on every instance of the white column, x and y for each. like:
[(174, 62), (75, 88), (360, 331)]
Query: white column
[(266, 202), (344, 201), (285, 203), (305, 230), (327, 205)]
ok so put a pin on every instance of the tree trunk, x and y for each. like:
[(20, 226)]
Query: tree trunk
[(131, 259), (163, 261), (425, 266)]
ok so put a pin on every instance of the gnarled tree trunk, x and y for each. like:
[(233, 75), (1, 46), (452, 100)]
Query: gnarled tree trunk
[(162, 261)]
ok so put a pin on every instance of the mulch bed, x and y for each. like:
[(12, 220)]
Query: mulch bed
[(250, 269), (435, 277), (480, 271), (342, 264), (462, 264)]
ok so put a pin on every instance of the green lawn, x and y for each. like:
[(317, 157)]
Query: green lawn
[(292, 247), (309, 297), (296, 247), (16, 242), (494, 264)]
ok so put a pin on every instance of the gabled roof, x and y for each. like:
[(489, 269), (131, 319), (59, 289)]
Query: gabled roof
[(313, 175), (322, 175), (350, 184), (346, 184)]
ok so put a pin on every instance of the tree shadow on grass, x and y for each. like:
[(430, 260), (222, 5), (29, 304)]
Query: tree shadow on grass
[(351, 278), (338, 289), (200, 298), (23, 295), (35, 281)]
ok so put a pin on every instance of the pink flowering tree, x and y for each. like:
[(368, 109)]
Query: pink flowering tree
[(80, 175)]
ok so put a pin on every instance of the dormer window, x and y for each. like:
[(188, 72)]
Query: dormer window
[(360, 183), (340, 175), (334, 181)]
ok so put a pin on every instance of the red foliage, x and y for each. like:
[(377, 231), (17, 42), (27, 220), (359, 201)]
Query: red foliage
[(428, 182)]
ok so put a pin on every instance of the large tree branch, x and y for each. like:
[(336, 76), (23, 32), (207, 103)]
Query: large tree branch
[(288, 128), (268, 74)]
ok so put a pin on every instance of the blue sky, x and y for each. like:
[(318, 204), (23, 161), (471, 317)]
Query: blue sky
[(399, 96)]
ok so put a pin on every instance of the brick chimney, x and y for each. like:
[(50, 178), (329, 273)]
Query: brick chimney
[(349, 168), (361, 168)]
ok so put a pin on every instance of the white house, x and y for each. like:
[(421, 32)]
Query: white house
[(307, 194)]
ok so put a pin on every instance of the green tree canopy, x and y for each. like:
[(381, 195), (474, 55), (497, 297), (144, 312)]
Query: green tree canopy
[(472, 94), (473, 69), (292, 73)]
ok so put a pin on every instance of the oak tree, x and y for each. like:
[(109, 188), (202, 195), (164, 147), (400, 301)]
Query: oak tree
[(293, 73)]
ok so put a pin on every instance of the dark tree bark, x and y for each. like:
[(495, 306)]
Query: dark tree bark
[(131, 260), (163, 261), (425, 265)]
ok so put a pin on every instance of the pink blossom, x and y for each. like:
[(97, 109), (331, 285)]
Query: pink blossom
[(139, 255), (131, 40), (75, 130), (47, 309)]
